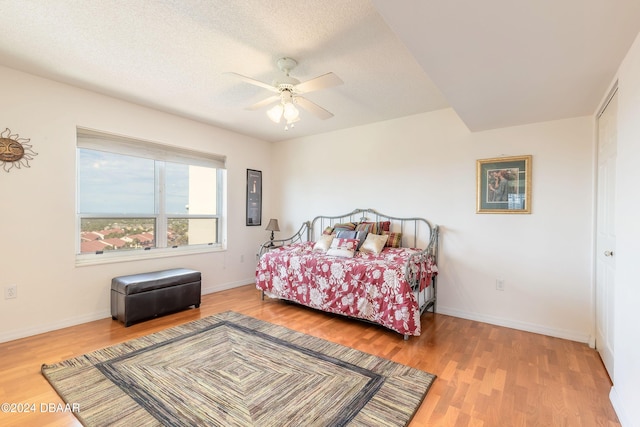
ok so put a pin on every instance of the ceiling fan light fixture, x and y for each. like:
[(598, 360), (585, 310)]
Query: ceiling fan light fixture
[(289, 92), (275, 113), (291, 113)]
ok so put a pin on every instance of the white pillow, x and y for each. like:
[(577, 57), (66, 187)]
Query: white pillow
[(324, 243), (342, 253), (342, 247), (374, 243)]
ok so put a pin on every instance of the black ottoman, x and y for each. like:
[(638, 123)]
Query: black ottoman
[(144, 296)]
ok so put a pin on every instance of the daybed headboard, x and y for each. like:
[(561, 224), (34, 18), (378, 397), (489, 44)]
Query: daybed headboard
[(416, 232)]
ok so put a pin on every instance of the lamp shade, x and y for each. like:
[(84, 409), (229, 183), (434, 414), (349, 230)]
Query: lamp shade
[(273, 225), (275, 113), (290, 112)]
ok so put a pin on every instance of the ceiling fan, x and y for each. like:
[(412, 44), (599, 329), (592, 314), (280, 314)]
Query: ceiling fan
[(289, 92)]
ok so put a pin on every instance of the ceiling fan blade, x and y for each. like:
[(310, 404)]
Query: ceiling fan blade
[(321, 82), (313, 108), (254, 82), (264, 102)]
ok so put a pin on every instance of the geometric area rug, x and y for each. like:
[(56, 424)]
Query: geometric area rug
[(233, 370)]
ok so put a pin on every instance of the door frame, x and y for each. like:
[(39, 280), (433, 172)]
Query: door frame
[(613, 90)]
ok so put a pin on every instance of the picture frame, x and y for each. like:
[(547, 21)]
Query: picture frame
[(504, 185), (254, 197)]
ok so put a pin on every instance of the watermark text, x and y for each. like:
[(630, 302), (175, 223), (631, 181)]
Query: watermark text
[(21, 408)]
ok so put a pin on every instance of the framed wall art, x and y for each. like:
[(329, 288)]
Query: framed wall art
[(504, 185), (254, 197)]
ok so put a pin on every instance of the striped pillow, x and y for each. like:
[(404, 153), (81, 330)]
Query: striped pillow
[(365, 226), (375, 227), (394, 240), (345, 226), (328, 230)]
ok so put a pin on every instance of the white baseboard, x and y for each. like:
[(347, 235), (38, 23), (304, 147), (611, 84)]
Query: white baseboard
[(619, 408), (224, 286), (514, 324), (64, 323), (90, 317)]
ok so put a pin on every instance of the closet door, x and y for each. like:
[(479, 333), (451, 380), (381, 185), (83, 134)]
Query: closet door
[(605, 233)]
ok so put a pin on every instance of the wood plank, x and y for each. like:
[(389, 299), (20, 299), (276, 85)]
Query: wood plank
[(487, 375)]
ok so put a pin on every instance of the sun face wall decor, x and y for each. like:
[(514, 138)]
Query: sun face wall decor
[(14, 151)]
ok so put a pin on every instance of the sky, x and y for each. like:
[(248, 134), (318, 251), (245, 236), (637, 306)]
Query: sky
[(118, 184)]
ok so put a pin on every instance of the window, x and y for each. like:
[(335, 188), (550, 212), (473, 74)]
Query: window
[(136, 196)]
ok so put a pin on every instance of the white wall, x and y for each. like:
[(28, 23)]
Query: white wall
[(37, 204), (425, 165), (626, 377)]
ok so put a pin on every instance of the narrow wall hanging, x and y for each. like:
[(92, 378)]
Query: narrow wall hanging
[(14, 151), (254, 197)]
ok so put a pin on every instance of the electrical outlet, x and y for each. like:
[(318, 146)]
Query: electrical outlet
[(241, 258), (10, 291), (499, 285)]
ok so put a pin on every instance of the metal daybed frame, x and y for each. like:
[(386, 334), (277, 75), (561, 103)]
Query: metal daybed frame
[(416, 233)]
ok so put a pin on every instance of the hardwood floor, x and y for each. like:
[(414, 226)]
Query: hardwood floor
[(487, 375)]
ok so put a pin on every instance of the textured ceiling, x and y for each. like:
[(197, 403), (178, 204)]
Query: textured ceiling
[(495, 63)]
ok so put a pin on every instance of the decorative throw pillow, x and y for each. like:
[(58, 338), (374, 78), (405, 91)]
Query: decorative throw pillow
[(376, 227), (361, 236), (344, 243), (345, 248), (346, 234), (394, 240), (324, 243), (344, 226), (358, 235), (365, 226), (374, 243), (328, 230)]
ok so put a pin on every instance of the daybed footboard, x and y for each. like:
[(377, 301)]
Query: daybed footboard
[(392, 287), (421, 271)]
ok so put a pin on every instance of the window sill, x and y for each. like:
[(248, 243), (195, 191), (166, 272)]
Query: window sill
[(126, 256)]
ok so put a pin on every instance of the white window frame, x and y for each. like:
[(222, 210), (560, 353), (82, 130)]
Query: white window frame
[(90, 139)]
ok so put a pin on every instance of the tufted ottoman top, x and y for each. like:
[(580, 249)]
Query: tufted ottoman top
[(145, 282)]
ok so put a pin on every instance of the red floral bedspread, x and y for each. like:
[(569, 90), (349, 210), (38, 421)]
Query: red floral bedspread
[(367, 286)]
